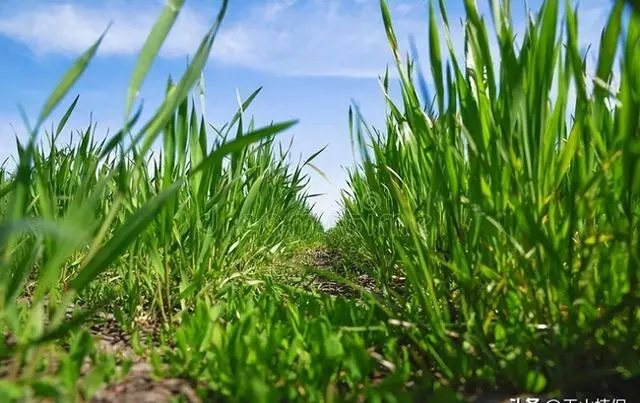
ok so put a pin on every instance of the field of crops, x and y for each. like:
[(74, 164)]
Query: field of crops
[(488, 245)]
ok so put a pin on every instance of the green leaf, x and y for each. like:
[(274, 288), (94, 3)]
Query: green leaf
[(391, 36), (314, 155), (180, 91), (500, 333), (436, 58), (21, 272), (117, 138), (240, 143), (635, 4), (609, 42), (68, 80), (568, 151), (150, 50), (131, 229), (64, 327), (536, 382), (66, 116), (46, 388), (10, 391)]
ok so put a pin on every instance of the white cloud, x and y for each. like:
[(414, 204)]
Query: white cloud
[(316, 37), (326, 38), (288, 37), (70, 28)]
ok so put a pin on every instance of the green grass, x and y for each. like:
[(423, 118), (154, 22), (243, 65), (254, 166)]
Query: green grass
[(517, 229), (501, 230)]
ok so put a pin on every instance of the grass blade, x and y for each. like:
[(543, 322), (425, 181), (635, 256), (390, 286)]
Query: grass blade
[(150, 50), (68, 80), (131, 229)]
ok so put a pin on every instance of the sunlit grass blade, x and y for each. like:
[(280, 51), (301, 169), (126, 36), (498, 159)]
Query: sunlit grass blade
[(68, 80), (238, 144), (66, 116), (150, 50), (64, 328), (131, 229), (117, 138), (436, 58), (179, 92)]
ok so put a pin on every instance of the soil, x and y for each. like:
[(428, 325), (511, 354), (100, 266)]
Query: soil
[(140, 386)]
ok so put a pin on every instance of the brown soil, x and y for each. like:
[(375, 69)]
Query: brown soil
[(327, 261), (139, 385)]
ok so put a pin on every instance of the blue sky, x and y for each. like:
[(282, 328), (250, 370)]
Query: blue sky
[(313, 57)]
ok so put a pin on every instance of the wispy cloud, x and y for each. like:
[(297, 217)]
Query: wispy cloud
[(317, 37), (287, 37), (70, 28), (330, 37)]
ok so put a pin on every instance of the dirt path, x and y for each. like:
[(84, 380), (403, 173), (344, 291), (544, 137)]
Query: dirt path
[(139, 385)]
